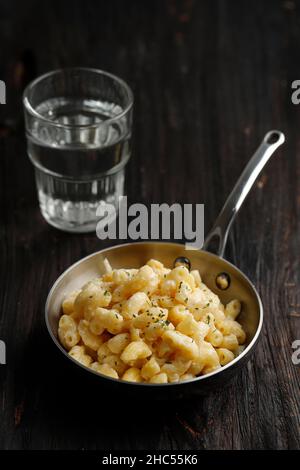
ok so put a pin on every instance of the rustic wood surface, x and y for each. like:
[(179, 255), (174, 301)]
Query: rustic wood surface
[(209, 78)]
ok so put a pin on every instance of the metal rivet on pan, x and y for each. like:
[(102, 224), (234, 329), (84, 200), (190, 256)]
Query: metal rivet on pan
[(182, 261), (223, 281)]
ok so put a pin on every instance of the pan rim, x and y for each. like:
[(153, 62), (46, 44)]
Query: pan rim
[(143, 384)]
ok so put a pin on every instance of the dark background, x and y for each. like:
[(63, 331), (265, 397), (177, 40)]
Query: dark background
[(209, 79)]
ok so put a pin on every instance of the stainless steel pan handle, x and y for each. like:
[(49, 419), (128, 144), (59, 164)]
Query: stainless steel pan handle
[(272, 140)]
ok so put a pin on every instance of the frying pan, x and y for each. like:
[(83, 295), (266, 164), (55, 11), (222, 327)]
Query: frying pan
[(212, 267)]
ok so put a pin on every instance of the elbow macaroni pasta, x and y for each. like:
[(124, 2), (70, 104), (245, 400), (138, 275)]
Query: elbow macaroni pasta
[(152, 324)]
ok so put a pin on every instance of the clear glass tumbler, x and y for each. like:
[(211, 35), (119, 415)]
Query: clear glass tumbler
[(78, 128)]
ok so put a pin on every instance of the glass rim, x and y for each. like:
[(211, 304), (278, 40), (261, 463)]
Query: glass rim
[(28, 107)]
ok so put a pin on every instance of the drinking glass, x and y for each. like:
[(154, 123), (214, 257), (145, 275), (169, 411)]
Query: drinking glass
[(78, 127)]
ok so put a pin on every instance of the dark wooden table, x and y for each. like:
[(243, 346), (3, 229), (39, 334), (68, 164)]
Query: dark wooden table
[(209, 78)]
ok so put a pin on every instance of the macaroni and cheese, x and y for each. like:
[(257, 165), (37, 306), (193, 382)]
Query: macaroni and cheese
[(152, 324)]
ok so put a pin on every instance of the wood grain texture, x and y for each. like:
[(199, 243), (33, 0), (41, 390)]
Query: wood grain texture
[(209, 78)]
